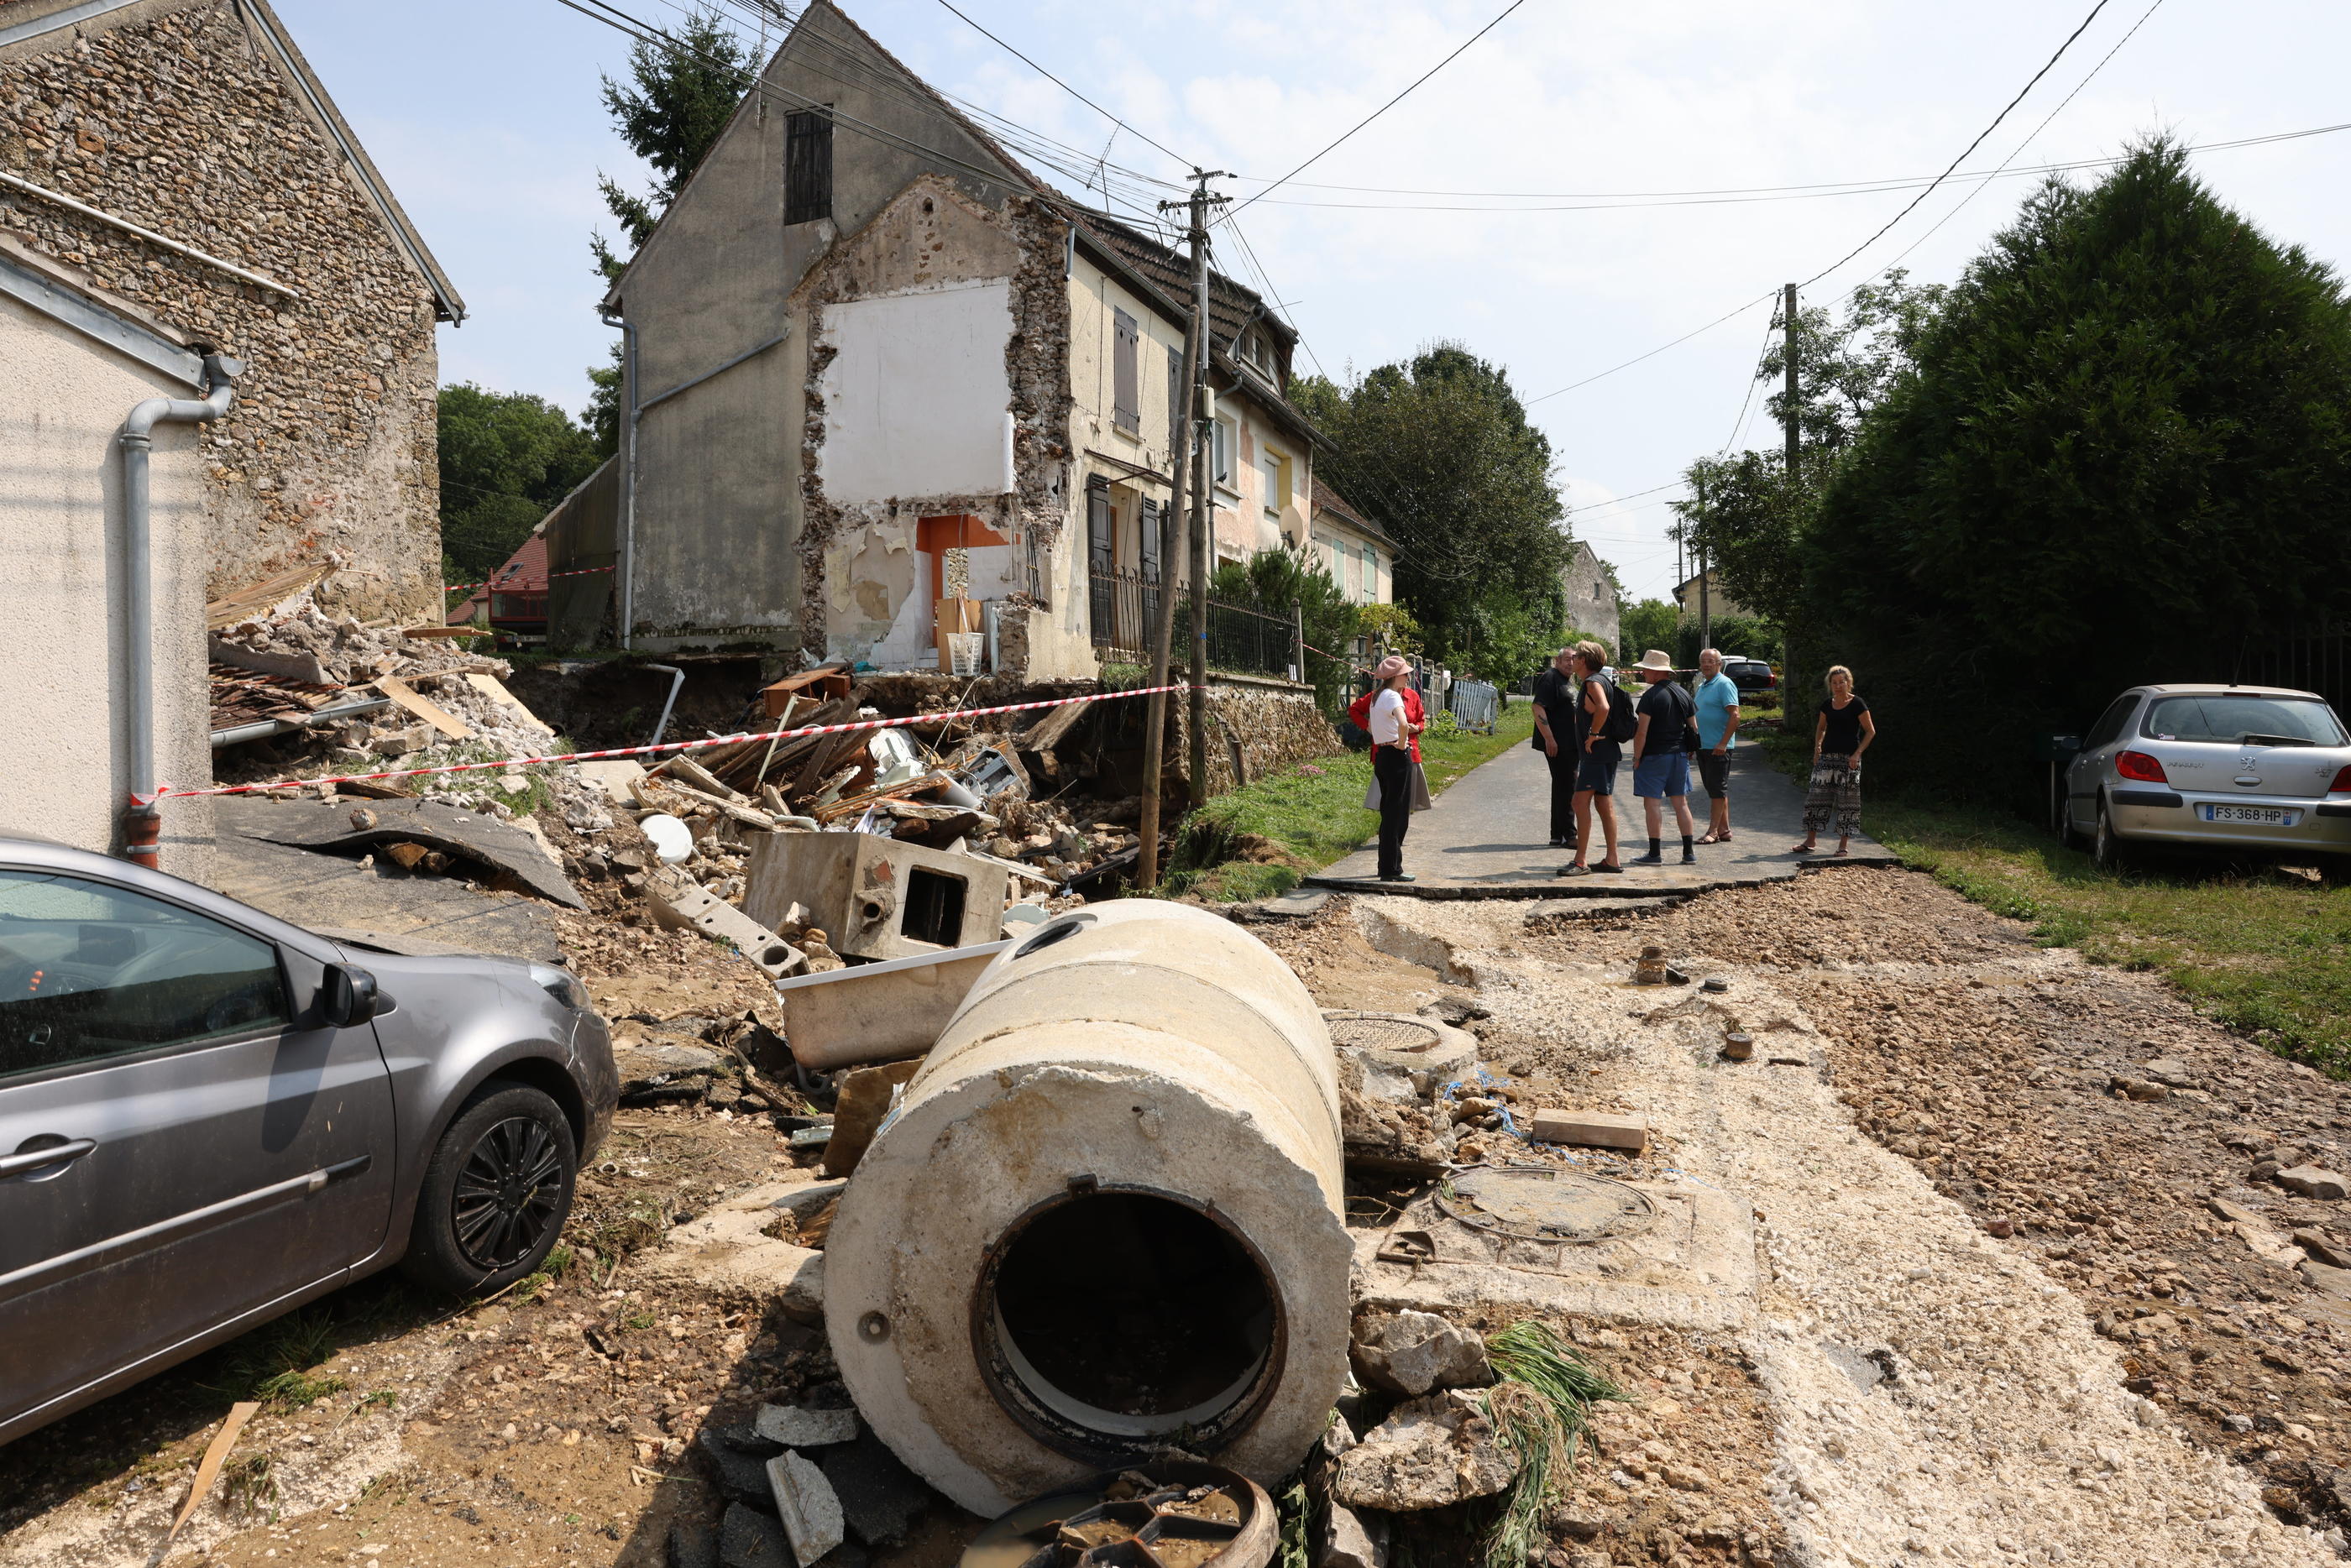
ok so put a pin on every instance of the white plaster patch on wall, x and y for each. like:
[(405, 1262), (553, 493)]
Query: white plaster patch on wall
[(917, 397)]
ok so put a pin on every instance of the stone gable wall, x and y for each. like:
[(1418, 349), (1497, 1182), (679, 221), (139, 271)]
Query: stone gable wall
[(179, 121)]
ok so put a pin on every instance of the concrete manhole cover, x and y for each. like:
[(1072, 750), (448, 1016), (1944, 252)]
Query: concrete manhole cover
[(1539, 1203), (1379, 1032)]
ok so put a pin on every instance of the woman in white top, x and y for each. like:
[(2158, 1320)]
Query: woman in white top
[(1392, 734)]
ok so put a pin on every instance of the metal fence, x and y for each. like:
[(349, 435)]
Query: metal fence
[(1241, 641), (2311, 657), (1475, 705)]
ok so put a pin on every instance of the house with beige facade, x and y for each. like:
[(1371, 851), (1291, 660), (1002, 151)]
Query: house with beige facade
[(1355, 551), (876, 373), (185, 215)]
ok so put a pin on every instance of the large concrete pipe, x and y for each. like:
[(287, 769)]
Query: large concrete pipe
[(1106, 1219)]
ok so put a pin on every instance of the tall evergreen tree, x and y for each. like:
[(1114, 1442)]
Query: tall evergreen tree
[(2125, 449)]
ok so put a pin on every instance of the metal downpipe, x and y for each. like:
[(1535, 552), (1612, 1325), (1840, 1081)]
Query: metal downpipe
[(142, 818), (629, 412)]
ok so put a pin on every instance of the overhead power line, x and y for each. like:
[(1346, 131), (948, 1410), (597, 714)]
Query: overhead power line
[(2047, 66), (1065, 87), (1236, 211)]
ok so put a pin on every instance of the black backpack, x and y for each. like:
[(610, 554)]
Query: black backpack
[(1622, 721)]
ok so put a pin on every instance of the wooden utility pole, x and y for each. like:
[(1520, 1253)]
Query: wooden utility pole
[(1788, 647), (1704, 582), (1788, 309), (1173, 525), (1203, 513)]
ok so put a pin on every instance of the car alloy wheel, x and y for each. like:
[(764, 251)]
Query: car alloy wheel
[(508, 1194), (2106, 848)]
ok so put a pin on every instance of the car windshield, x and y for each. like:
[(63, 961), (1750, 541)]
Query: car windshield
[(2226, 718)]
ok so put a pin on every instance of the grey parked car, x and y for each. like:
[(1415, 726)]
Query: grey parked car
[(2253, 771), (209, 1116)]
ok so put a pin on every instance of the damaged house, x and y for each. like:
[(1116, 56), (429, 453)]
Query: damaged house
[(875, 369), (185, 215)]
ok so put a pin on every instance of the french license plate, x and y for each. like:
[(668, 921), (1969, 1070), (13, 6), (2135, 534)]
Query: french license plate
[(2265, 815)]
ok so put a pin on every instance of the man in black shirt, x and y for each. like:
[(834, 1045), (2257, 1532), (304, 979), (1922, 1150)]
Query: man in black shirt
[(1661, 754), (1556, 692)]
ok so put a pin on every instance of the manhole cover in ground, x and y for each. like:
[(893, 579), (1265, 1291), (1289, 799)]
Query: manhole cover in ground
[(1539, 1203), (1372, 1032)]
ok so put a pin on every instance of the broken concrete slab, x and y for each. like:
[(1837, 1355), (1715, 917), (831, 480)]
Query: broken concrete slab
[(1414, 1353), (801, 1427), (880, 1498), (658, 1070), (682, 904), (722, 1248), (1431, 1452), (741, 1476), (614, 777), (749, 1539), (374, 906), (806, 1504), (1428, 1051), (483, 840), (805, 1203), (864, 1100), (1591, 1130), (1351, 1540), (2312, 1182), (878, 1012)]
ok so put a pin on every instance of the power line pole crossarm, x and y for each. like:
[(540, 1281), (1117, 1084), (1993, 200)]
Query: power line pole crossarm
[(1177, 546)]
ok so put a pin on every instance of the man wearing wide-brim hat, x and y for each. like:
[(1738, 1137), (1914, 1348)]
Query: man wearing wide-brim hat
[(1662, 737)]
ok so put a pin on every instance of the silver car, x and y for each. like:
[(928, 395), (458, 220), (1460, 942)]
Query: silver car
[(2254, 770), (209, 1116)]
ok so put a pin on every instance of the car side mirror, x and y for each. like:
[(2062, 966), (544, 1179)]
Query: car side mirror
[(349, 997)]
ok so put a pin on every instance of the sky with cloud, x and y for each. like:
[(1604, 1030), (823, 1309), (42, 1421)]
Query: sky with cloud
[(1655, 161)]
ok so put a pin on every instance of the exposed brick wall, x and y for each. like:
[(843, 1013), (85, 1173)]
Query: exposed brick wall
[(177, 120)]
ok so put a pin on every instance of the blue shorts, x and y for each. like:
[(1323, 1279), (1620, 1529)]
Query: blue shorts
[(1662, 777), (1597, 771)]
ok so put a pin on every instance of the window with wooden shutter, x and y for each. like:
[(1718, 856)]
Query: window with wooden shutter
[(808, 166), (1125, 375), (1149, 523), (1101, 559)]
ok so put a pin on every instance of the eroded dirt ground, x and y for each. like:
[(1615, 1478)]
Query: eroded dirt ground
[(1997, 1316)]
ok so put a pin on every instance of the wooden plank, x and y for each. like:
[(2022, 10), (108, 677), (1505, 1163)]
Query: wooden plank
[(1047, 731), (491, 686), (685, 767), (404, 696)]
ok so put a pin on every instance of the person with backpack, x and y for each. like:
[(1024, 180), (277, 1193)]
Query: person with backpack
[(1664, 735), (1603, 723)]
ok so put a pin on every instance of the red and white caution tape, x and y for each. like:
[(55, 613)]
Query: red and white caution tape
[(509, 580), (667, 745)]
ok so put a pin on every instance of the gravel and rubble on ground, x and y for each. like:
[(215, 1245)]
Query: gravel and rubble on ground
[(2044, 1269)]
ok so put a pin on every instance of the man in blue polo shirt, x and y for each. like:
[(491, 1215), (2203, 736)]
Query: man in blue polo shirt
[(1718, 735)]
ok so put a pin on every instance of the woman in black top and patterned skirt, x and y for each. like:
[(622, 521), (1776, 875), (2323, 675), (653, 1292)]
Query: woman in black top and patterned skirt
[(1843, 730)]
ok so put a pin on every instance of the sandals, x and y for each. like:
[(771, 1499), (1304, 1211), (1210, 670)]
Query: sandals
[(1711, 838), (1577, 870), (1803, 849)]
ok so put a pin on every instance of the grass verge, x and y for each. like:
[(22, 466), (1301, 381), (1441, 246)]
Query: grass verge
[(2264, 951), (1260, 839)]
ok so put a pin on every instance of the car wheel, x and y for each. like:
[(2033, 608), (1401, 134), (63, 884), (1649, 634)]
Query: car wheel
[(2106, 848), (496, 1191)]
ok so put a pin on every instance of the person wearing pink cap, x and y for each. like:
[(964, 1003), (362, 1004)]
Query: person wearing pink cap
[(1392, 731)]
